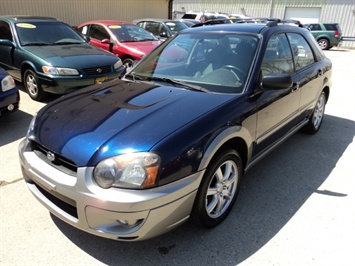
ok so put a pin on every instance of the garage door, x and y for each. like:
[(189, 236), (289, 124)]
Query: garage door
[(303, 14)]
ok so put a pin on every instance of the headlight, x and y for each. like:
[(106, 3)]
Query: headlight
[(60, 71), (31, 126), (118, 64), (7, 83), (134, 170)]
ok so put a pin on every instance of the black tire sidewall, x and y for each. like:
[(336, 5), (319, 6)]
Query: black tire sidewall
[(199, 214), (39, 95)]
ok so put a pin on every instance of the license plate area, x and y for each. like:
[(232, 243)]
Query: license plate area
[(100, 80)]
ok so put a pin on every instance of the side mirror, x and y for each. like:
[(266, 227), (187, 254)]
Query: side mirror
[(6, 42), (106, 41), (277, 81), (87, 38)]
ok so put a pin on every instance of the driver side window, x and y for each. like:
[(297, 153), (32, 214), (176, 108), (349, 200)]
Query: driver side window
[(5, 32), (278, 56), (98, 32)]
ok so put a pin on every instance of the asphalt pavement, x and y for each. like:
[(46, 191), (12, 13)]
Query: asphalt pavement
[(296, 207)]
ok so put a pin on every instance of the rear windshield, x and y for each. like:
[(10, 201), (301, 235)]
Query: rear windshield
[(190, 16)]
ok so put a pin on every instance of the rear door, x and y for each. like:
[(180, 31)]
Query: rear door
[(309, 70)]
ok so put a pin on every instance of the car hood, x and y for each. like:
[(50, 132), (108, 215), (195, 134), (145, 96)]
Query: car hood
[(77, 56), (117, 117), (145, 47)]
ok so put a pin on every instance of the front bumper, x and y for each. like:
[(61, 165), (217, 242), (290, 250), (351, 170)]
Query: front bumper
[(9, 101), (63, 85), (121, 214)]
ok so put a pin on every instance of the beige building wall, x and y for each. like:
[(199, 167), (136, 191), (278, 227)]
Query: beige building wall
[(340, 11), (75, 12)]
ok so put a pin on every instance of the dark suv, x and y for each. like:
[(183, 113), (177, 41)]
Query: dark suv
[(326, 34), (131, 159)]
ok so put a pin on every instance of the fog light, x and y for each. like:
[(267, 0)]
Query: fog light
[(10, 107), (129, 223)]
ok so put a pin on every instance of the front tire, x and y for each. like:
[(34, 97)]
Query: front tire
[(218, 190), (316, 119), (128, 63), (33, 86)]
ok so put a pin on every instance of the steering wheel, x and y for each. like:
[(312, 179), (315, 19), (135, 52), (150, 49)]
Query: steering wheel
[(238, 72)]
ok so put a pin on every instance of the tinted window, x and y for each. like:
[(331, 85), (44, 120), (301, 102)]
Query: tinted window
[(314, 27), (302, 52), (5, 32), (98, 32), (330, 26), (278, 56)]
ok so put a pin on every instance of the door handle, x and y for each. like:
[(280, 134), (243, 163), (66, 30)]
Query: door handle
[(295, 87)]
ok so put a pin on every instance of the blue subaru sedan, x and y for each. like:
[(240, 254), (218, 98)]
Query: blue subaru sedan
[(131, 159), (9, 94), (48, 56)]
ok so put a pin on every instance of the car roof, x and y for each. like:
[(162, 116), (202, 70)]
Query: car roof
[(108, 22), (24, 18), (272, 24), (244, 27), (154, 19)]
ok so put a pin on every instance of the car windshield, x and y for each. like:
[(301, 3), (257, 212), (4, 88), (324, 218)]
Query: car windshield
[(214, 62), (131, 33), (176, 26), (47, 33)]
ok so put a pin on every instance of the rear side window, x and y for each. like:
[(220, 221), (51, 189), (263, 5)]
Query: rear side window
[(302, 52), (331, 26), (314, 27)]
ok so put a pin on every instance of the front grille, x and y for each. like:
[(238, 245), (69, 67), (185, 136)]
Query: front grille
[(69, 206), (97, 70), (61, 163)]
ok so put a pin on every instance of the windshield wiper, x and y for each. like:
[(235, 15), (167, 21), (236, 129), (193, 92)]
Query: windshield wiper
[(177, 82), (36, 44), (133, 76), (66, 43)]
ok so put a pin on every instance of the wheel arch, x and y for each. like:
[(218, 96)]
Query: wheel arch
[(236, 138), (326, 90), (26, 65)]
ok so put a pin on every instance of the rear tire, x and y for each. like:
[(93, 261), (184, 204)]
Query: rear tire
[(324, 44), (218, 190), (316, 119), (33, 86)]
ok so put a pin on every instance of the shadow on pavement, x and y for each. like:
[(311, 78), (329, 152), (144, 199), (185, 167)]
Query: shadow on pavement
[(13, 126), (271, 193)]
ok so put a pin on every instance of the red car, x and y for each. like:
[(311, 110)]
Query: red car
[(126, 40)]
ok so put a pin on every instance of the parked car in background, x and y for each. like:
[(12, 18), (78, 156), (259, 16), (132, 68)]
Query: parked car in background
[(327, 35), (188, 22), (48, 56), (9, 94), (161, 28), (204, 16), (135, 157), (124, 39)]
